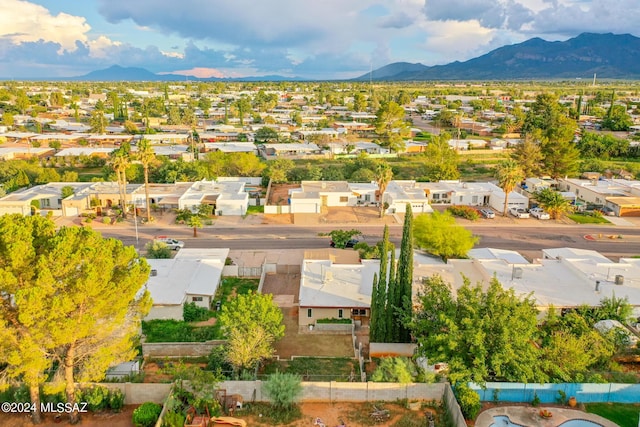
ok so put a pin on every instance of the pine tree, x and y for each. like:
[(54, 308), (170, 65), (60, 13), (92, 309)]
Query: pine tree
[(404, 279)]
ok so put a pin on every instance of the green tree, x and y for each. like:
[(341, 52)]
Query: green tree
[(98, 122), (195, 222), (266, 134), (617, 119), (528, 154), (393, 370), (441, 161), (278, 170), (251, 322), (553, 202), (243, 105), (7, 119), (83, 291), (283, 389), (482, 335), (404, 278), (66, 191), (341, 237), (146, 156), (439, 234), (378, 322), (25, 339), (509, 174), (56, 145), (390, 121)]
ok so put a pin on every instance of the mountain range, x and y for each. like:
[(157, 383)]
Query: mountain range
[(134, 74), (609, 56)]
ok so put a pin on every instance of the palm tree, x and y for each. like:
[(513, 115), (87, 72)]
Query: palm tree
[(120, 162), (554, 203), (195, 222), (509, 174), (384, 175), (146, 155)]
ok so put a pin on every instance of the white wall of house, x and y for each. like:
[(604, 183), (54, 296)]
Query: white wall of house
[(203, 301), (22, 209), (400, 206), (231, 207), (305, 206), (323, 313)]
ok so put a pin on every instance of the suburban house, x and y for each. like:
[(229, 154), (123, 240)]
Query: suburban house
[(10, 153), (192, 276), (168, 138), (42, 199), (398, 193), (232, 147), (227, 196), (313, 195), (562, 277), (271, 151), (594, 191), (338, 286)]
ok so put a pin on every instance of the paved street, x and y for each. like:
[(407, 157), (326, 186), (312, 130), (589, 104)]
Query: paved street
[(528, 239)]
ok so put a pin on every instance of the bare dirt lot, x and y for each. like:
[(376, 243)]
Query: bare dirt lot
[(102, 419)]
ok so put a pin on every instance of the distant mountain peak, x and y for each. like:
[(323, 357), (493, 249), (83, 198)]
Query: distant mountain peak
[(611, 56)]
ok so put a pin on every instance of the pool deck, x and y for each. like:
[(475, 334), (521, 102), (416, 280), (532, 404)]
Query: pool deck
[(530, 417)]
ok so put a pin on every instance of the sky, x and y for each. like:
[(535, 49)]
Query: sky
[(314, 39)]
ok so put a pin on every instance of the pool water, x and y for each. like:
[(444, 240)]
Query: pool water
[(504, 421)]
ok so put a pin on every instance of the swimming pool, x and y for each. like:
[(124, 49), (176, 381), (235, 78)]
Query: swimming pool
[(504, 421)]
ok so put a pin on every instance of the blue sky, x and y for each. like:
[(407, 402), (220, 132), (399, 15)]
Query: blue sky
[(320, 39)]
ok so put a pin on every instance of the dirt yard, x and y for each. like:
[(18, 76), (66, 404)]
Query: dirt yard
[(103, 419), (309, 344)]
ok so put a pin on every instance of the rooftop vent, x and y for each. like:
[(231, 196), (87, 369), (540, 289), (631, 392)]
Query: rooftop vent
[(154, 273)]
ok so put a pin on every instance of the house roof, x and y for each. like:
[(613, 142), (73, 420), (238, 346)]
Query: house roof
[(191, 272), (325, 284)]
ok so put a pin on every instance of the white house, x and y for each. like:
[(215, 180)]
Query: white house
[(313, 195), (192, 276), (228, 197), (329, 289), (400, 192)]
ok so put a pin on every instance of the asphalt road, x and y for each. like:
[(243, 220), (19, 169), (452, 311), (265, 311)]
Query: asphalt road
[(529, 240)]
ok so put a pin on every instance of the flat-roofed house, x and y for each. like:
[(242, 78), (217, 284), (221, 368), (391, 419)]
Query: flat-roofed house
[(192, 276), (400, 192), (331, 289)]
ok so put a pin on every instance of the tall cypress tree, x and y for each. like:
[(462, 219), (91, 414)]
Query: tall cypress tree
[(390, 318), (379, 294), (404, 278)]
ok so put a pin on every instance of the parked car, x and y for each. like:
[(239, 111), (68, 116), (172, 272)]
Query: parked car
[(487, 213), (350, 244), (539, 213), (172, 244), (606, 210), (519, 212)]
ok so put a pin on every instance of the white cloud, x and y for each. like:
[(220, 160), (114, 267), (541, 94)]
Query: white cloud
[(173, 54), (101, 47), (22, 22)]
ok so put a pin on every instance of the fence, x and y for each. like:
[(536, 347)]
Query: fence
[(179, 349), (241, 271), (453, 408), (553, 393)]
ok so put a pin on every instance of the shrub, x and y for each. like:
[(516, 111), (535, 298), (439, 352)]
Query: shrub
[(97, 397), (146, 414), (158, 250), (393, 369), (106, 220), (192, 313), (469, 401), (536, 400), (173, 419), (333, 320), (283, 389), (116, 400), (465, 212)]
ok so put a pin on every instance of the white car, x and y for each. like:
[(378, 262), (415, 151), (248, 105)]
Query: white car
[(172, 244), (519, 212), (539, 213)]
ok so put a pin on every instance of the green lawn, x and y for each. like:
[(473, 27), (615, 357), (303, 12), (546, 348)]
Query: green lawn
[(252, 210), (625, 415), (587, 219)]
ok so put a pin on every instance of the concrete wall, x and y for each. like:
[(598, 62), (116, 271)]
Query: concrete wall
[(377, 349), (453, 408), (137, 393), (179, 349), (344, 328), (343, 391), (271, 209)]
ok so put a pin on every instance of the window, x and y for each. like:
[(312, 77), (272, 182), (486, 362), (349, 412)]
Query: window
[(460, 199), (309, 312), (45, 203), (344, 199), (196, 299), (436, 196), (474, 199), (363, 312), (367, 197), (340, 313)]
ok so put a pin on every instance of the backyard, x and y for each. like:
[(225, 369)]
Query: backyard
[(625, 415)]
